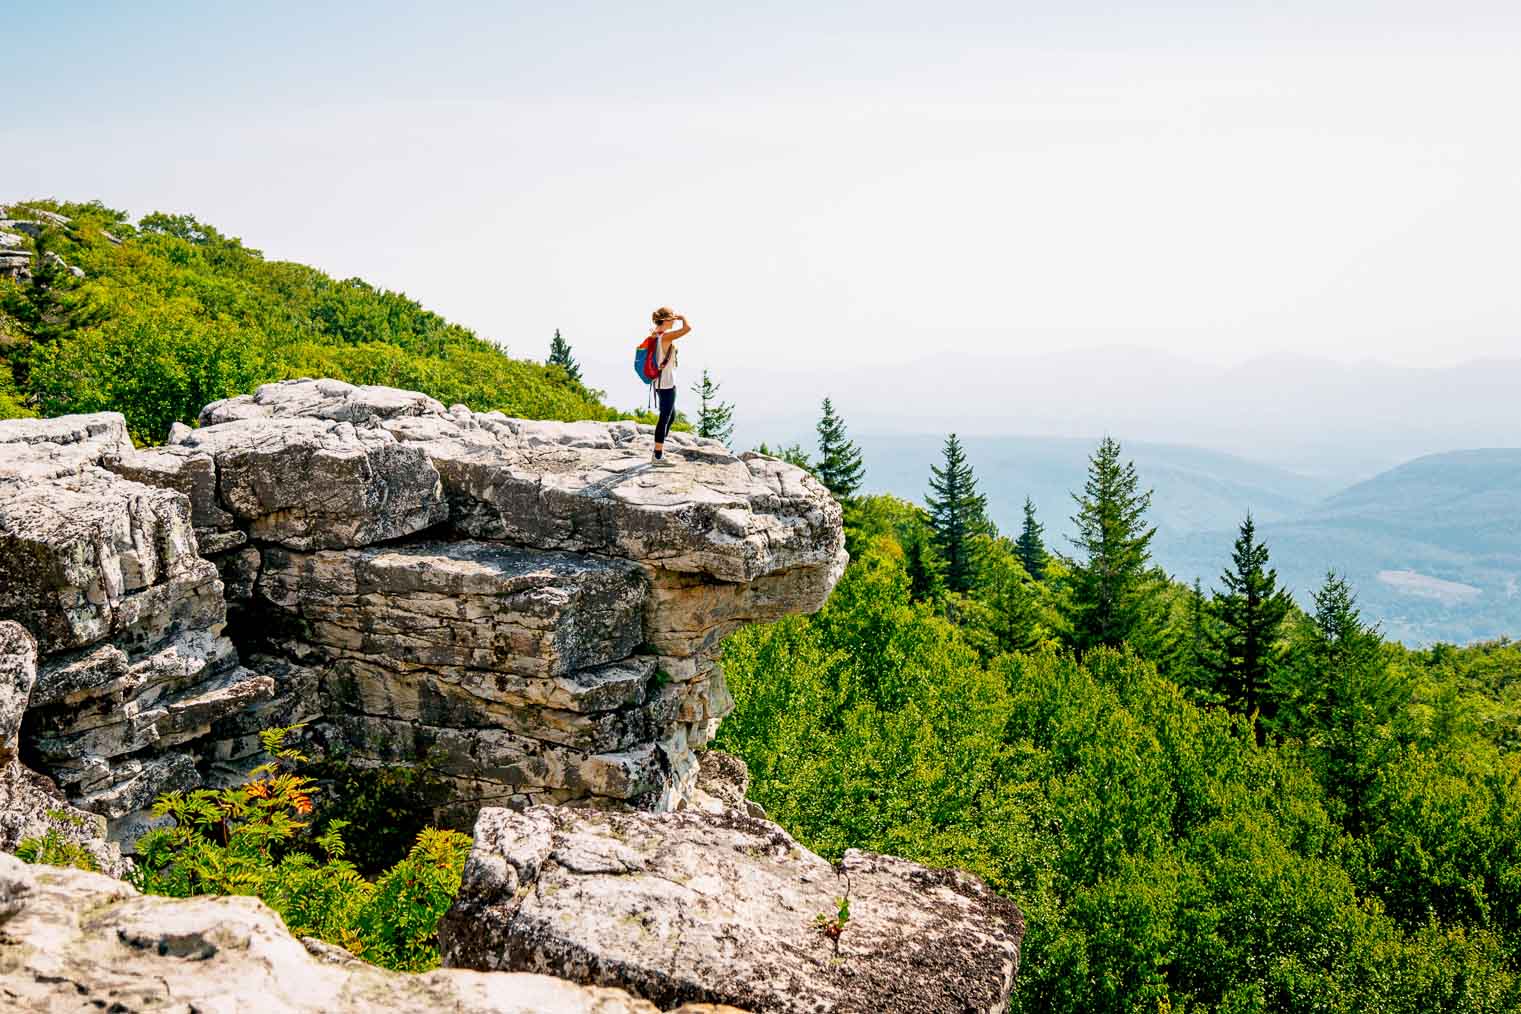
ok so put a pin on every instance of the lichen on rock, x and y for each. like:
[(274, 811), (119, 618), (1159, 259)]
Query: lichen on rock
[(717, 906)]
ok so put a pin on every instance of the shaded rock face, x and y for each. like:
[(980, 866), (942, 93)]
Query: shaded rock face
[(721, 907), (524, 607), (30, 805), (71, 940), (129, 619)]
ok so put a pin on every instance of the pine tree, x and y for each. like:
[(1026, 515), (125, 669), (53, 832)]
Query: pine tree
[(1242, 651), (559, 355), (1341, 697), (839, 466), (792, 453), (925, 579), (1191, 668), (1031, 547), (958, 514), (1112, 581), (715, 419)]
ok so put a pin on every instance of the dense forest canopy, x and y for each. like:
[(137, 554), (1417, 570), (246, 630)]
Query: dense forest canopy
[(166, 315), (1205, 799)]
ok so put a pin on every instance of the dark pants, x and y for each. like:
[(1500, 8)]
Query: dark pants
[(667, 396)]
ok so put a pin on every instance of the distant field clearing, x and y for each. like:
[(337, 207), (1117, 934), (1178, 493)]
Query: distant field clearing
[(1426, 587)]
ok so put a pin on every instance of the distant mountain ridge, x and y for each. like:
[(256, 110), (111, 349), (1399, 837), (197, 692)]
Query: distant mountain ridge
[(1342, 422), (1433, 545)]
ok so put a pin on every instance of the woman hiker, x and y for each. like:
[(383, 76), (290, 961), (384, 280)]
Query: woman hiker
[(665, 385)]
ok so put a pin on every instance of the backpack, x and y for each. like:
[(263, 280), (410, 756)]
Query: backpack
[(645, 366)]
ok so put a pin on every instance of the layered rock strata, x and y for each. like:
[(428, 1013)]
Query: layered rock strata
[(72, 941), (30, 805), (717, 906), (524, 607), (128, 618)]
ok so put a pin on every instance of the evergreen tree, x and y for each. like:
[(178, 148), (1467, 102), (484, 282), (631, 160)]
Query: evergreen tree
[(840, 466), (715, 419), (1031, 547), (1341, 697), (1242, 651), (1111, 581), (1009, 593), (925, 580), (958, 514), (792, 453), (559, 355)]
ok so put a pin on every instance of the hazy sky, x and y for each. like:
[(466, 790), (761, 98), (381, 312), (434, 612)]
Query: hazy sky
[(818, 188)]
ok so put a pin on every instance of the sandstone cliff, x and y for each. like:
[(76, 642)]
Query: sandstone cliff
[(524, 607)]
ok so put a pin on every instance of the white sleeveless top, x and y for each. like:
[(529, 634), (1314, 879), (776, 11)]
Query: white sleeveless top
[(667, 378)]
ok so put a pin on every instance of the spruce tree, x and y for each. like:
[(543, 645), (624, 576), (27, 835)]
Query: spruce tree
[(1111, 580), (559, 355), (1031, 547), (715, 419), (925, 578), (839, 467), (1341, 697), (957, 515), (1242, 651)]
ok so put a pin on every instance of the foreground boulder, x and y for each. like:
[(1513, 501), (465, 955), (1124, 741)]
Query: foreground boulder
[(722, 907), (525, 608), (74, 941)]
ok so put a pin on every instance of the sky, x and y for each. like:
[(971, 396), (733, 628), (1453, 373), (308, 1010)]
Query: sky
[(829, 191)]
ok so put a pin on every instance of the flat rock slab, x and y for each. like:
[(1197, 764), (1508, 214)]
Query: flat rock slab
[(73, 941), (582, 486), (722, 908), (41, 449), (87, 555), (304, 483)]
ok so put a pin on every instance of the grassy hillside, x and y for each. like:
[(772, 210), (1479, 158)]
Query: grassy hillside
[(170, 314)]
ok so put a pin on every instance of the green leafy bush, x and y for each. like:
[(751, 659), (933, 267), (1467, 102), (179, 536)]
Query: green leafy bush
[(391, 806), (249, 840)]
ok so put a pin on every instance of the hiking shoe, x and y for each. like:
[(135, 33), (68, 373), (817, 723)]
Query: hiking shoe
[(662, 463)]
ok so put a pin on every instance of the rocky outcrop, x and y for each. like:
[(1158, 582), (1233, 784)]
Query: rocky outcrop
[(17, 225), (30, 805), (128, 617), (727, 908), (524, 607), (72, 941)]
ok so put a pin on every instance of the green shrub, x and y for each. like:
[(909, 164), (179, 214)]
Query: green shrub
[(391, 804), (54, 849), (251, 840)]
